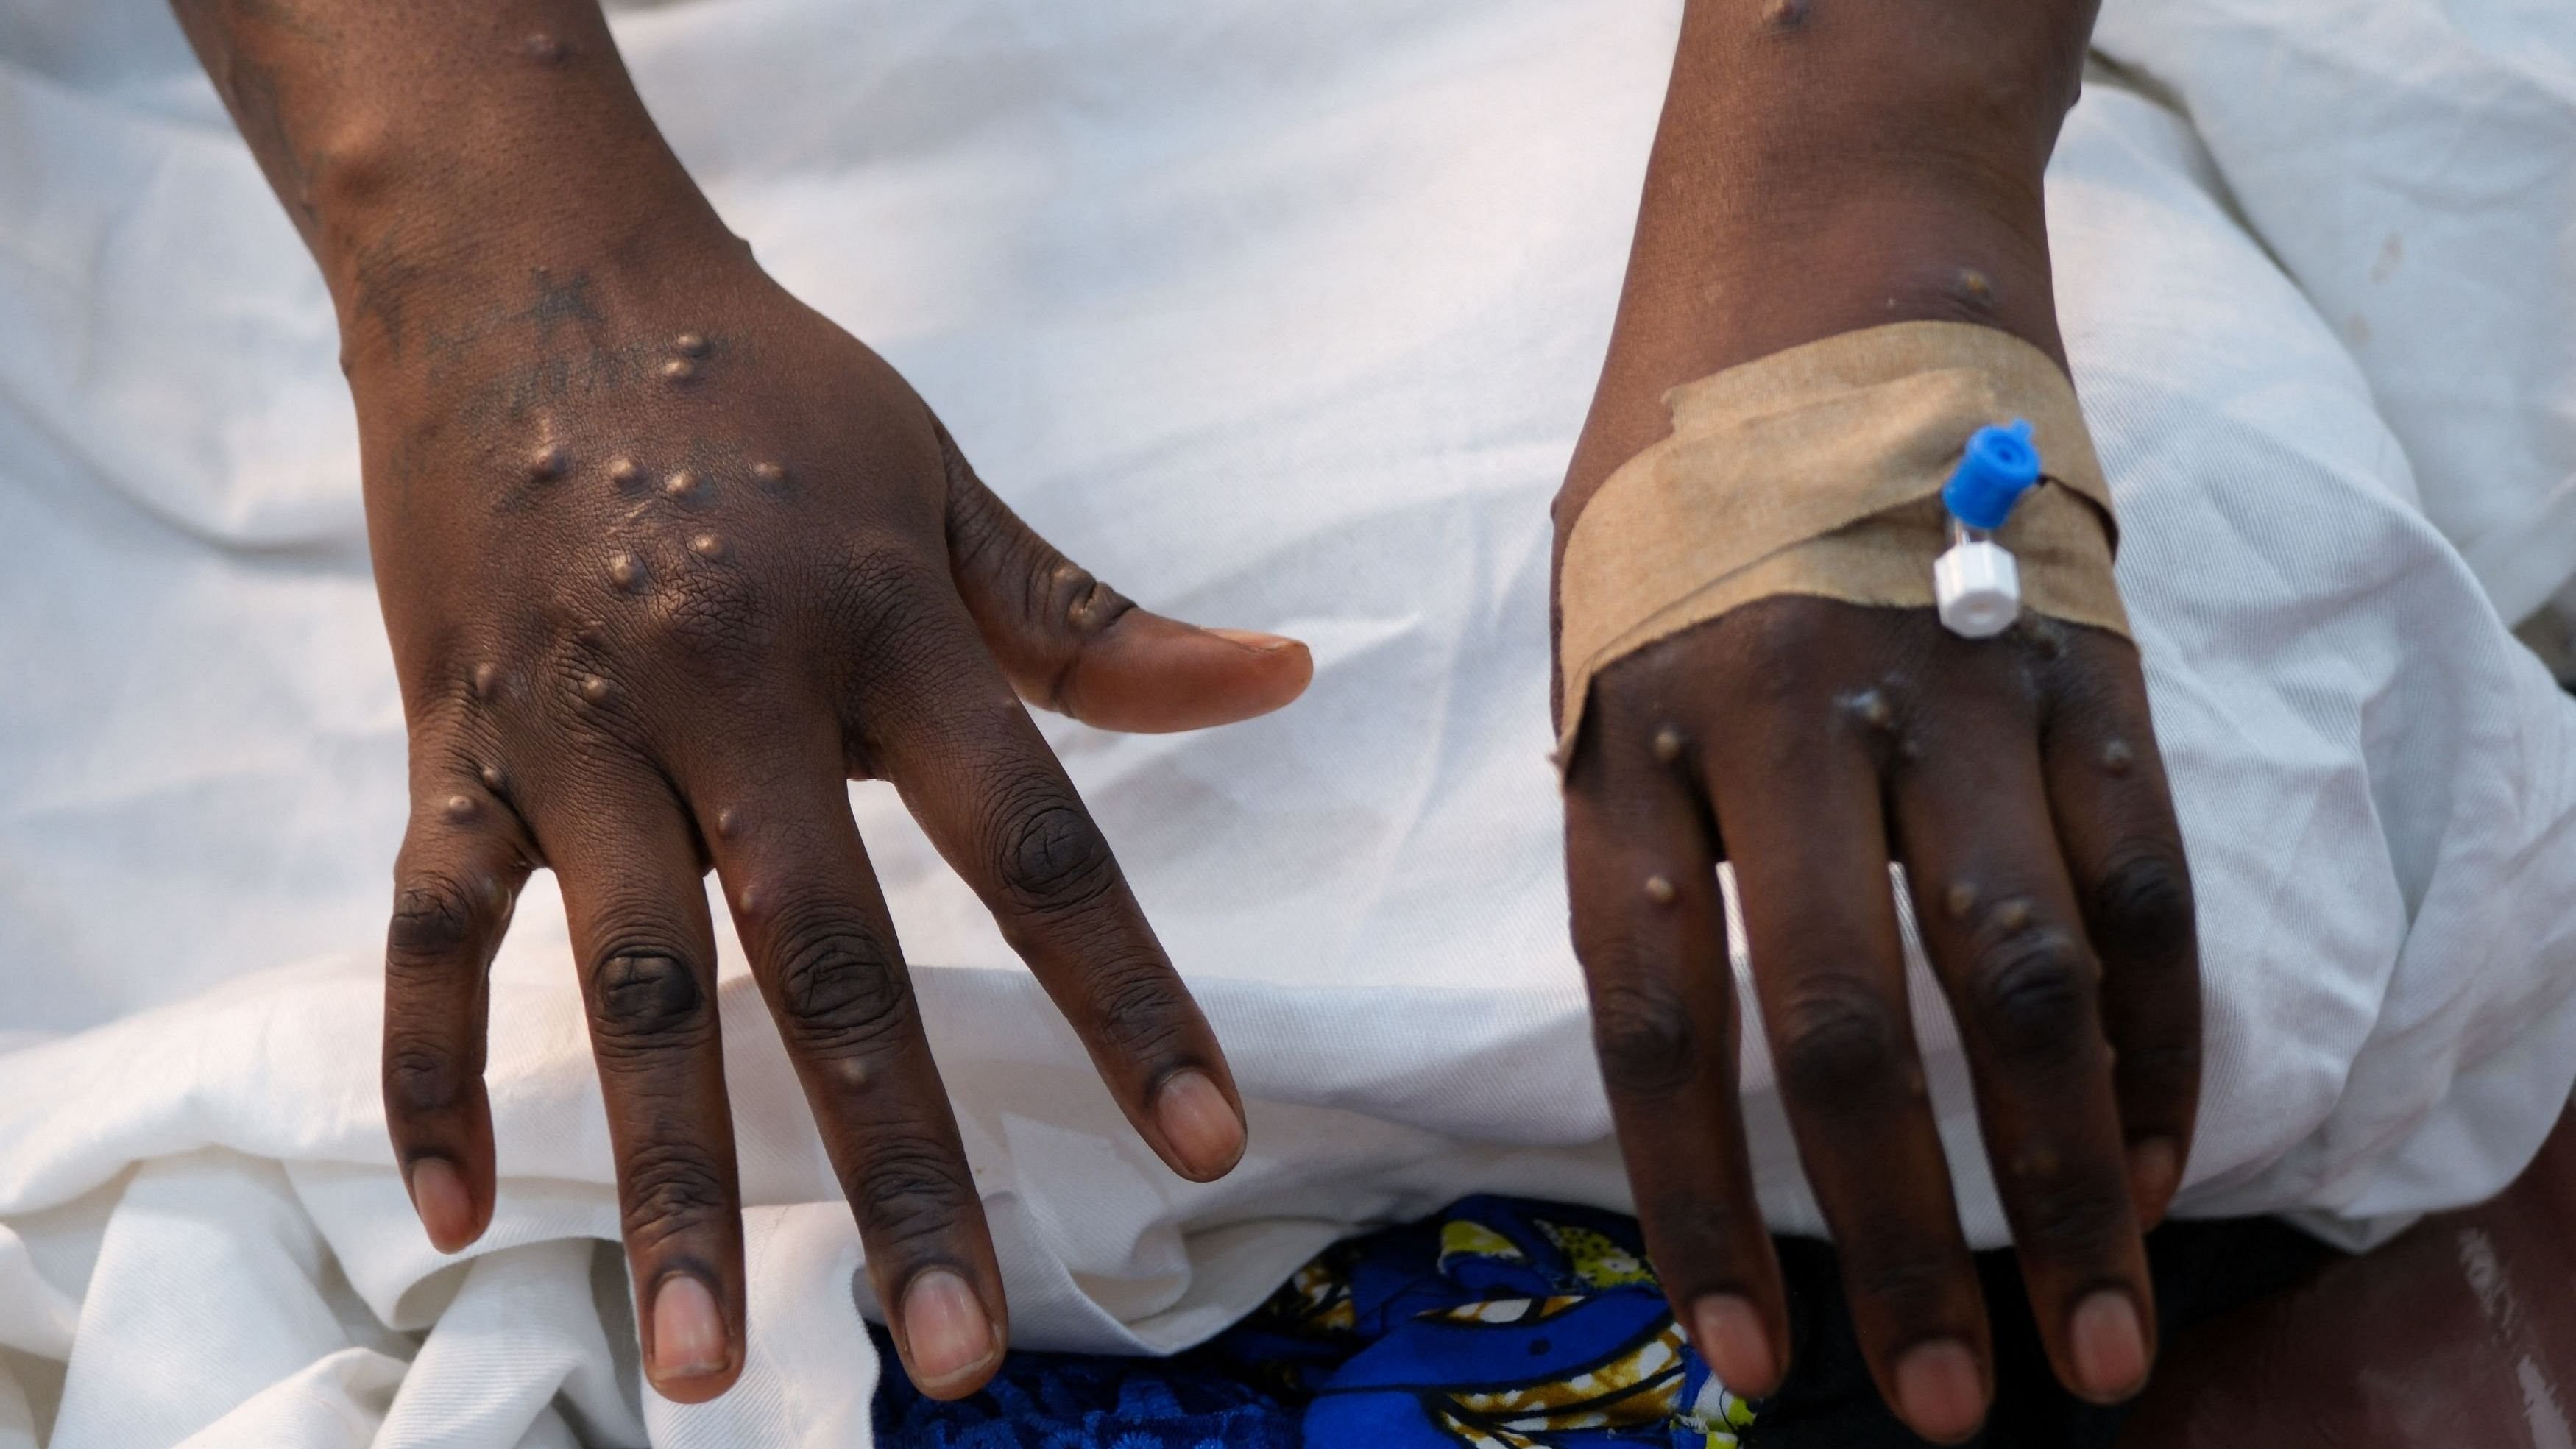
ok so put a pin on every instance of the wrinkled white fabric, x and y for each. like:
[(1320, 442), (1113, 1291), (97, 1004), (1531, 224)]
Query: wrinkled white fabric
[(1280, 316)]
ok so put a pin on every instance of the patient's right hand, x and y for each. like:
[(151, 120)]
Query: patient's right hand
[(666, 557)]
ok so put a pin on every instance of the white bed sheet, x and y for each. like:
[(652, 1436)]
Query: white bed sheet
[(1281, 315)]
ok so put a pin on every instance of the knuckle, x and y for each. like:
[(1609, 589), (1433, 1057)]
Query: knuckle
[(2143, 906), (2032, 992), (647, 997), (1642, 1034), (1069, 592), (910, 1190), (666, 1190), (1774, 648), (420, 1075), (1050, 857), (715, 616), (436, 919), (1918, 1287), (1140, 1013), (1838, 1039), (841, 989), (2071, 1219)]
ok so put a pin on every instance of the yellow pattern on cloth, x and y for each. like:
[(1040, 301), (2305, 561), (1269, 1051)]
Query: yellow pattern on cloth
[(1601, 1262)]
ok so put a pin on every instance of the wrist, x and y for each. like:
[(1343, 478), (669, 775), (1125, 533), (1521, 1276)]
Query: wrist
[(1813, 177)]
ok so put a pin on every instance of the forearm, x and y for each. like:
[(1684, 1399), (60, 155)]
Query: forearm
[(1822, 168), (448, 147)]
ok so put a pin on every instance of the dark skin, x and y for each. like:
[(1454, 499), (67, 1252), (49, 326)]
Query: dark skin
[(665, 557), (1821, 168)]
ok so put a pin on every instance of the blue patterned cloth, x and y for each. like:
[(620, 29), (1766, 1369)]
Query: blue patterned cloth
[(1497, 1324)]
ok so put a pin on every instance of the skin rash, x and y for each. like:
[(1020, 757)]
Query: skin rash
[(665, 557)]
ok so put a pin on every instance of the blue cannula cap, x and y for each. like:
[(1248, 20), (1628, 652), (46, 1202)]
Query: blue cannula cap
[(1998, 467)]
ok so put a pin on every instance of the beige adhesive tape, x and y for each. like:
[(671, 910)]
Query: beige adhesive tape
[(1818, 471)]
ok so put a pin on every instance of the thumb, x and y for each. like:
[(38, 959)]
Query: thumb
[(1072, 644)]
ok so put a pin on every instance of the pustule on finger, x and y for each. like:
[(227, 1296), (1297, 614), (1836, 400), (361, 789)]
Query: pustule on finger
[(1661, 891), (1669, 743), (545, 48), (769, 475), (728, 822), (707, 546), (593, 689), (1785, 14), (625, 472), (461, 808), (1871, 708), (1959, 899), (2118, 759), (625, 570), (485, 681), (690, 344), (494, 778), (681, 484), (748, 901), (1972, 290), (680, 370), (548, 461)]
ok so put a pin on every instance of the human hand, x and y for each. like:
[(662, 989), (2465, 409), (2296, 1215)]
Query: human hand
[(1814, 175), (665, 558), (1810, 742)]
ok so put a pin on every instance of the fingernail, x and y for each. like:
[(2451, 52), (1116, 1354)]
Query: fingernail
[(1199, 1123), (446, 1210), (2110, 1345), (945, 1328), (1937, 1390), (1257, 642), (2155, 1171), (688, 1332), (1727, 1330)]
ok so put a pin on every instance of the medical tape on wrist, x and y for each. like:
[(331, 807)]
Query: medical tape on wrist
[(1818, 471)]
